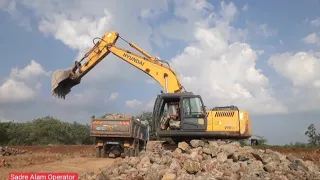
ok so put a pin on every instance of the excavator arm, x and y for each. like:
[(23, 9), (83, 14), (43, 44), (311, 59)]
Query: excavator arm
[(64, 80)]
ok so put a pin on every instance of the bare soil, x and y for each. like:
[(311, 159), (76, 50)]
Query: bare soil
[(311, 154), (54, 159), (81, 159)]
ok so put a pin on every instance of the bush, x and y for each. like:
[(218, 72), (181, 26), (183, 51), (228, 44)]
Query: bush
[(44, 131)]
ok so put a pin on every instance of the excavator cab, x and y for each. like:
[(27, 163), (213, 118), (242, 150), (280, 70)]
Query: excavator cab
[(176, 114)]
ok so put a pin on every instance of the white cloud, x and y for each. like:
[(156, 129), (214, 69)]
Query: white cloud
[(83, 98), (224, 71), (114, 96), (315, 22), (219, 50), (32, 70), (280, 41), (267, 31), (245, 7), (312, 38), (14, 91), (16, 87), (260, 29), (76, 34), (300, 68), (151, 14), (193, 11), (78, 22), (158, 40), (11, 8), (133, 103), (260, 52)]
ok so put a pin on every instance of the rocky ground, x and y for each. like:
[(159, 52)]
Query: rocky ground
[(8, 151), (215, 160), (81, 159)]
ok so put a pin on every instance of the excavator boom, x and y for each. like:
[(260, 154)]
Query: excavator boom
[(64, 80)]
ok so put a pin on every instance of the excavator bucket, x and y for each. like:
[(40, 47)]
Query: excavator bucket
[(61, 83)]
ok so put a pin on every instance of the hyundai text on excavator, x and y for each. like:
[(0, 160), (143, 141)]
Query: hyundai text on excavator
[(177, 114)]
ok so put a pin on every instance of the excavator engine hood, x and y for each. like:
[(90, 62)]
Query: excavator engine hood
[(62, 81)]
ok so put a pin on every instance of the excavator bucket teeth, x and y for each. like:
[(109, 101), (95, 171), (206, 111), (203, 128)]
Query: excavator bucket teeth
[(62, 82)]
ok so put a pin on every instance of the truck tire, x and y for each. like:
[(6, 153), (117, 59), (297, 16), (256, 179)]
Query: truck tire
[(98, 152)]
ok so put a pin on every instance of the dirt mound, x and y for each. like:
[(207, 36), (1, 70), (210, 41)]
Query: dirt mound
[(8, 151), (209, 160)]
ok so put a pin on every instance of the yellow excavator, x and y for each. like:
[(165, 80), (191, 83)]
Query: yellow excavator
[(177, 114)]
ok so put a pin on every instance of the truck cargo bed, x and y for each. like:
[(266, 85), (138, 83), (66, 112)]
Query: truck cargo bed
[(129, 128)]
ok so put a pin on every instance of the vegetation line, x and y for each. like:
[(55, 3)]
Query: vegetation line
[(49, 130)]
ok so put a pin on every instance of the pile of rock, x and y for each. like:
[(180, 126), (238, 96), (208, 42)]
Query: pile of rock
[(210, 160), (7, 151), (118, 117)]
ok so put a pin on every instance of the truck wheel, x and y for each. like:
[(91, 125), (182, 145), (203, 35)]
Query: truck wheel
[(131, 152), (98, 152)]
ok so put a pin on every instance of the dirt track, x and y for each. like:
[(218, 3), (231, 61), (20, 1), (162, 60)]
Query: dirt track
[(54, 159), (81, 159)]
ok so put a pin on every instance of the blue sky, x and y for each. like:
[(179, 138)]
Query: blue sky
[(262, 57)]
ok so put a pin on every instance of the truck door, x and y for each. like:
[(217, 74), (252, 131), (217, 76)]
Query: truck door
[(193, 114)]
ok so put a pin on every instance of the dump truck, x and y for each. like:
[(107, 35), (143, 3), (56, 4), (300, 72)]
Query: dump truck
[(119, 135)]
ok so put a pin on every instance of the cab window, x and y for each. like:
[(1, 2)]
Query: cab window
[(192, 106)]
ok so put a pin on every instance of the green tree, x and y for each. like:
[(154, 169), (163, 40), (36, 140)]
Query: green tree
[(44, 131), (314, 138), (4, 137), (81, 133)]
